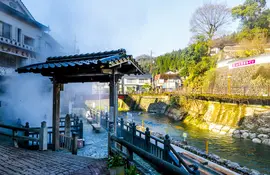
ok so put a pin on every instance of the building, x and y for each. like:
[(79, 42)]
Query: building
[(23, 40), (168, 81), (134, 83)]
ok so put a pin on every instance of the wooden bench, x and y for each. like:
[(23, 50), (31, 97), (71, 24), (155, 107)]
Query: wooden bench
[(96, 127)]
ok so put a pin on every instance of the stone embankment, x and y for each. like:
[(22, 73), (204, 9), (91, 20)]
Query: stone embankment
[(243, 121), (255, 129)]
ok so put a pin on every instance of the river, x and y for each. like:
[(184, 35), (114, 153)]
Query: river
[(245, 152)]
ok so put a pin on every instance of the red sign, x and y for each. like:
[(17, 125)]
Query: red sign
[(243, 63)]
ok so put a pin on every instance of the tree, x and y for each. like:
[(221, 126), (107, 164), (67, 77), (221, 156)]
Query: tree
[(252, 13), (210, 18)]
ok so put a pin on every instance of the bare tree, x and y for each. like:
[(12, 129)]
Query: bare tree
[(210, 18)]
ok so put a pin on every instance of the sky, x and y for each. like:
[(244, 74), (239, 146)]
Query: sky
[(139, 26)]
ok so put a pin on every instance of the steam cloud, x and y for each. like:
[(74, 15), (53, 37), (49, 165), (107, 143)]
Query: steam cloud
[(28, 97)]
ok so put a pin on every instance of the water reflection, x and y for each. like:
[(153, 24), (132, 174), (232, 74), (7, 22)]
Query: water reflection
[(246, 153)]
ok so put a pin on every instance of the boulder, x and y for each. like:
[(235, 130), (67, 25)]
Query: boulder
[(225, 129), (256, 140), (243, 131), (266, 142), (264, 130), (255, 172), (236, 132), (245, 135), (252, 135), (233, 165), (263, 136), (238, 136)]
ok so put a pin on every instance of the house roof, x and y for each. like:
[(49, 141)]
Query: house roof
[(85, 67), (142, 76), (167, 76), (28, 18)]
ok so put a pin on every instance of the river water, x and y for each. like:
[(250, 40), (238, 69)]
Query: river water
[(245, 152)]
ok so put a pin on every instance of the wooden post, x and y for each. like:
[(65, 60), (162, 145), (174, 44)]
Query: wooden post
[(56, 113), (147, 139), (15, 142), (74, 143), (122, 127), (166, 150), (43, 137), (67, 126), (113, 100), (81, 129), (206, 146), (26, 133)]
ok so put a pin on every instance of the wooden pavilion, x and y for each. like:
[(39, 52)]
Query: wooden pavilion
[(107, 66)]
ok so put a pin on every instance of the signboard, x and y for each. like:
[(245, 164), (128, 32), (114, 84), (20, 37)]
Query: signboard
[(243, 63)]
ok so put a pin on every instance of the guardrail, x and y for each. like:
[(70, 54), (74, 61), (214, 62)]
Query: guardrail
[(161, 149), (71, 128), (24, 135)]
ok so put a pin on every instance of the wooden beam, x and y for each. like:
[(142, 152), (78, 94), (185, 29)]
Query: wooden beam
[(56, 113)]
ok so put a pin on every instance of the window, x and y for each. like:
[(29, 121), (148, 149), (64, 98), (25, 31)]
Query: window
[(19, 33), (5, 30), (29, 41), (143, 81), (131, 81)]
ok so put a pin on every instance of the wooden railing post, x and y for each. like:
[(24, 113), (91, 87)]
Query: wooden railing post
[(147, 139), (81, 129), (122, 127), (26, 133), (14, 134), (74, 143), (67, 126), (43, 136), (166, 150)]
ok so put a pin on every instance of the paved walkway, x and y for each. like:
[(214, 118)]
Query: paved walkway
[(17, 161)]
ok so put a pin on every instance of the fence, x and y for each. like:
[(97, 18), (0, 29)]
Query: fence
[(41, 138), (259, 91), (142, 143)]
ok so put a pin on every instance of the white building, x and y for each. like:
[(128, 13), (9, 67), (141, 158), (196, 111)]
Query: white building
[(23, 40), (168, 81), (134, 83)]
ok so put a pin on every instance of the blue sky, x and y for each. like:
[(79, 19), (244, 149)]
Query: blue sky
[(139, 26)]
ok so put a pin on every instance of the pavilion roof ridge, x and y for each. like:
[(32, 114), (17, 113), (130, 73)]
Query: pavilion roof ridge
[(94, 55)]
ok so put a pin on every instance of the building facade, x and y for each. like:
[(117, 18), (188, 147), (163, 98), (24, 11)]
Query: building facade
[(134, 83), (167, 82), (23, 40)]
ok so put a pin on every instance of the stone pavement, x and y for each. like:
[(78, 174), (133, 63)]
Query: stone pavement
[(96, 144), (17, 161)]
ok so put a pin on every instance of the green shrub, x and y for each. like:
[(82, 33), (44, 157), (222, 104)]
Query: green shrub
[(116, 161)]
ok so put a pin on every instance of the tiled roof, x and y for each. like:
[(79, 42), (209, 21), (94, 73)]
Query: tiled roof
[(109, 57)]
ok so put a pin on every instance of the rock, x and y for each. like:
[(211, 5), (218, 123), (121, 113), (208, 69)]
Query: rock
[(252, 135), (236, 132), (230, 132), (225, 129), (238, 136), (264, 130), (233, 165), (243, 131), (255, 172), (266, 142), (256, 140), (245, 135), (263, 136)]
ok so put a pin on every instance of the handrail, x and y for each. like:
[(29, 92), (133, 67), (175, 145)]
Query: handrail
[(181, 160), (165, 166), (19, 128), (20, 137)]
